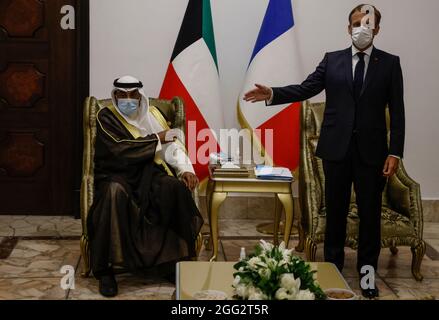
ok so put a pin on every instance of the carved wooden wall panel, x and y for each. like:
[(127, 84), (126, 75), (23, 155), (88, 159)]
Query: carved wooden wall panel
[(21, 155), (21, 85), (21, 18), (39, 109)]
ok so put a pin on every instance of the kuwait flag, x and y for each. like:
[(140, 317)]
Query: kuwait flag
[(193, 76), (275, 62)]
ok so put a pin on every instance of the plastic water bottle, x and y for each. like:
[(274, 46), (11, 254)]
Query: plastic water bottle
[(242, 255)]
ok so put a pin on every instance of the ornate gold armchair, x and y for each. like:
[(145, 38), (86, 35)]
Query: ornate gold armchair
[(169, 113), (402, 217)]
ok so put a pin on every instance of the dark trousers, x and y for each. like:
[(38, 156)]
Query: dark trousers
[(368, 184)]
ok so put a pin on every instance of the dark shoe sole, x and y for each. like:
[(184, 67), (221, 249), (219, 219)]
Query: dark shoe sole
[(109, 291)]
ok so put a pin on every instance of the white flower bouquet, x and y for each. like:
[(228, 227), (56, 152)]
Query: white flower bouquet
[(274, 273)]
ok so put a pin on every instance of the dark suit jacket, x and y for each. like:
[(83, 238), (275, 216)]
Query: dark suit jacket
[(383, 87)]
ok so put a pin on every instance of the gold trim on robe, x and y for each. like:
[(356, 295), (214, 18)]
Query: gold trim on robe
[(136, 133)]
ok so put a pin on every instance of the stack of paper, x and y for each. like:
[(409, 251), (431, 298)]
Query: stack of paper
[(273, 173), (228, 172)]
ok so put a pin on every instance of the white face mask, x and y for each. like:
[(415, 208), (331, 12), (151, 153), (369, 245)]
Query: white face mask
[(362, 37), (128, 107)]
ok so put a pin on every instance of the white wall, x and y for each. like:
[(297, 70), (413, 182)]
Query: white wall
[(137, 37)]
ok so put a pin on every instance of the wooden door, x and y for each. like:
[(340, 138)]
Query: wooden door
[(40, 108)]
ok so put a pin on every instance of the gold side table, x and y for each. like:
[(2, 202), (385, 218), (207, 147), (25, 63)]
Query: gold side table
[(218, 189)]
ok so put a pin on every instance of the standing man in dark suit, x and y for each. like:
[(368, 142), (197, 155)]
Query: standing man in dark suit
[(360, 82)]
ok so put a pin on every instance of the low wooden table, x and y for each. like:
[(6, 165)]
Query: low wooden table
[(218, 189), (197, 276)]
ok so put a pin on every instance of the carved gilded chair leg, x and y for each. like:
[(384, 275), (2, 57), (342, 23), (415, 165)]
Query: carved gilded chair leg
[(418, 254), (394, 250), (310, 249), (85, 253)]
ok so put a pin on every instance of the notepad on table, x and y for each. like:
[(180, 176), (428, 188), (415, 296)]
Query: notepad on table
[(273, 173)]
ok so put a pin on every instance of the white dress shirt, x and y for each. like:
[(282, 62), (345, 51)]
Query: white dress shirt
[(356, 59)]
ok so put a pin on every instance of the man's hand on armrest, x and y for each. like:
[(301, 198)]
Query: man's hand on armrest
[(190, 180), (261, 93), (168, 136)]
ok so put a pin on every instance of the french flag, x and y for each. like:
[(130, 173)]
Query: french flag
[(275, 62)]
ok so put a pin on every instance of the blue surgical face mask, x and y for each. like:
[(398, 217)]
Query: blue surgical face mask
[(128, 106)]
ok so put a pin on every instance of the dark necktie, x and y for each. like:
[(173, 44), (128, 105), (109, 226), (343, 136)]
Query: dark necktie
[(359, 75)]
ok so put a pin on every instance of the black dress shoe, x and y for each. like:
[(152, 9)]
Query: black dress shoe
[(370, 293), (108, 285)]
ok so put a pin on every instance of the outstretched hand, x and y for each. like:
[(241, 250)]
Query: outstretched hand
[(261, 93)]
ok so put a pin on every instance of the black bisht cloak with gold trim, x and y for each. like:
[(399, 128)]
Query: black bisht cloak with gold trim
[(141, 217)]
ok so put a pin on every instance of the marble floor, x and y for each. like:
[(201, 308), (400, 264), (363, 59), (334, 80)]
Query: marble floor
[(34, 249)]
